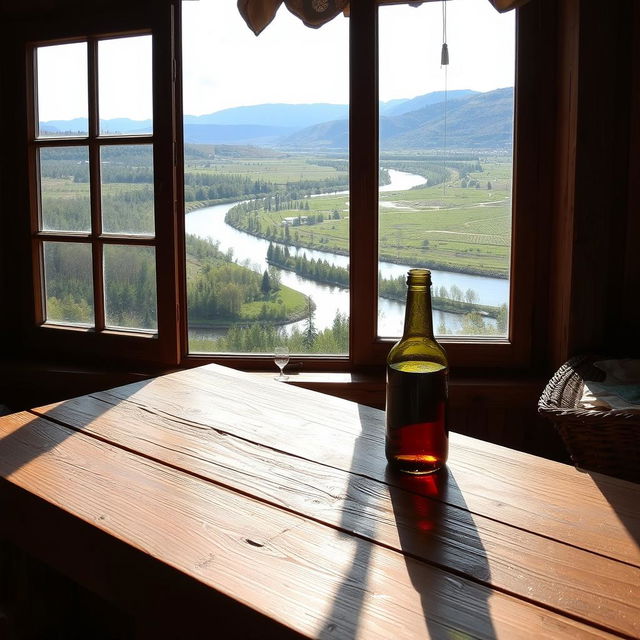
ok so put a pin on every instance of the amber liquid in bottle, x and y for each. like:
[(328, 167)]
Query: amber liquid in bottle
[(417, 439)]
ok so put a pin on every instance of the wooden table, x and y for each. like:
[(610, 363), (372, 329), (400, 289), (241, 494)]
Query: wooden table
[(214, 503)]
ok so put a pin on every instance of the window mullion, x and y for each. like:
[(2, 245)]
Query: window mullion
[(96, 195), (363, 178)]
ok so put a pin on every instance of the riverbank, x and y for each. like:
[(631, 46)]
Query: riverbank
[(244, 323), (324, 273), (331, 299), (296, 237)]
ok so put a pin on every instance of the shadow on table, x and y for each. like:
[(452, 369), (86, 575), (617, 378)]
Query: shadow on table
[(622, 501), (431, 534), (36, 601), (431, 529), (31, 440)]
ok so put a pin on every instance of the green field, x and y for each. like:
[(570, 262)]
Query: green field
[(447, 226), (461, 222)]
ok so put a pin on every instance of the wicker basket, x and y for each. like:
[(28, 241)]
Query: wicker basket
[(603, 441)]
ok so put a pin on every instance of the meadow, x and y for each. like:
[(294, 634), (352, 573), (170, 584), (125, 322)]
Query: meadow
[(459, 221), (462, 224)]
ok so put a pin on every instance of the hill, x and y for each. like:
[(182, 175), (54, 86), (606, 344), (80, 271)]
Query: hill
[(397, 108), (474, 121), (294, 116), (477, 121), (249, 134)]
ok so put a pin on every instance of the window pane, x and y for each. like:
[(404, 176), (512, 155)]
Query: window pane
[(125, 86), (126, 173), (130, 287), (266, 179), (62, 90), (446, 146), (64, 189), (68, 283)]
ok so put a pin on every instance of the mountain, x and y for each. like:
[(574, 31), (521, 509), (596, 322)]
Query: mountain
[(397, 108), (274, 115), (113, 125), (479, 120), (252, 134), (385, 108), (474, 120)]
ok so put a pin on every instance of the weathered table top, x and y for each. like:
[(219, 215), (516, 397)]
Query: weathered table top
[(268, 510)]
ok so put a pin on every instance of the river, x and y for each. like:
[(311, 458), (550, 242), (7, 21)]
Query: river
[(251, 251)]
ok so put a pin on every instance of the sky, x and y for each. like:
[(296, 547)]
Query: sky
[(226, 65)]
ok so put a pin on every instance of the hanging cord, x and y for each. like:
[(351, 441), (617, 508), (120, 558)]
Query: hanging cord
[(444, 62)]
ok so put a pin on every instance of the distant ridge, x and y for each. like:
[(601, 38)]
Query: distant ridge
[(251, 134), (477, 121), (113, 125), (474, 120), (294, 116), (405, 106)]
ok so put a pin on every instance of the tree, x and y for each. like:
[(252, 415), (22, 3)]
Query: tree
[(310, 331), (274, 278), (265, 287), (471, 296), (502, 319)]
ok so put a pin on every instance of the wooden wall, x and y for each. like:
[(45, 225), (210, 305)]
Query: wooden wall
[(595, 258)]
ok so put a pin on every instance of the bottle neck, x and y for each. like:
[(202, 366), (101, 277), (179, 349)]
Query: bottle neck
[(418, 319)]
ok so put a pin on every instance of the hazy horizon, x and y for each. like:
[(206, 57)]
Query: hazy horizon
[(264, 71)]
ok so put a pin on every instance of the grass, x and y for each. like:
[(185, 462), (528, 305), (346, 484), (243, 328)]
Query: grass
[(280, 170), (447, 227), (295, 302)]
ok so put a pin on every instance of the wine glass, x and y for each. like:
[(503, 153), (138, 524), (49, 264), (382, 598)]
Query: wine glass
[(281, 358)]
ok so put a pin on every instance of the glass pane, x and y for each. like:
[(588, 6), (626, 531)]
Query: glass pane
[(446, 147), (130, 287), (62, 90), (64, 189), (125, 86), (68, 283), (126, 173), (266, 175)]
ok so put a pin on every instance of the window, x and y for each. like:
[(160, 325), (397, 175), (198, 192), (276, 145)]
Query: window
[(264, 196), (446, 151), (95, 236), (102, 185), (146, 276)]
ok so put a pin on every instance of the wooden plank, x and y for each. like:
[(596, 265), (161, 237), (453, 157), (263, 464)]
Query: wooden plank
[(534, 567), (544, 497), (312, 578)]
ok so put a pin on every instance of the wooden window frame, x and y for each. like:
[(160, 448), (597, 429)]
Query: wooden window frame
[(161, 347), (532, 189), (531, 194)]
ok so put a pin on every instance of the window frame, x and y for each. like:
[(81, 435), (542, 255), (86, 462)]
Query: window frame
[(531, 193), (366, 349), (161, 347)]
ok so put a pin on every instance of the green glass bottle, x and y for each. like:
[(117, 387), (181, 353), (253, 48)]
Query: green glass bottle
[(417, 439)]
